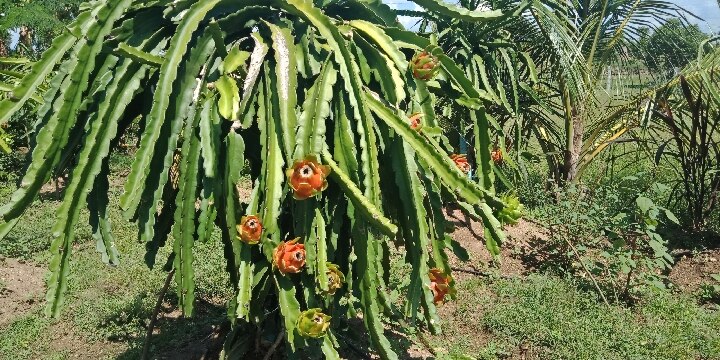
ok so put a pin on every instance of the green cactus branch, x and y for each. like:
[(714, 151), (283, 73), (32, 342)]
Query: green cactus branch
[(311, 102)]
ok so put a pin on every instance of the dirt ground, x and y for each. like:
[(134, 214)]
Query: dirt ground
[(22, 288), (690, 272), (22, 285)]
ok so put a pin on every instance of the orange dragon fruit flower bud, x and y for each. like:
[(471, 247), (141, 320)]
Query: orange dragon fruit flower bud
[(289, 256), (415, 121), (335, 278), (496, 155), (250, 229), (424, 65), (461, 162), (439, 285), (307, 178)]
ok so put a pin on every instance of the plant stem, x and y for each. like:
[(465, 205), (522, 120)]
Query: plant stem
[(626, 293), (274, 346), (153, 318), (577, 255)]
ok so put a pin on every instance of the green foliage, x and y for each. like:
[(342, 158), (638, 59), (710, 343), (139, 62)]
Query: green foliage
[(108, 307), (671, 46), (503, 73), (215, 86), (639, 254), (608, 237), (36, 21), (18, 337), (711, 291), (686, 134)]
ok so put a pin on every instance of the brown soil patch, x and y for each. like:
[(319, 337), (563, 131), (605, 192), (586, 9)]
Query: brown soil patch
[(691, 272), (74, 346), (463, 317), (21, 287), (470, 234), (54, 188)]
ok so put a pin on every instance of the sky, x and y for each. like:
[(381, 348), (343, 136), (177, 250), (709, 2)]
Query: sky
[(707, 10)]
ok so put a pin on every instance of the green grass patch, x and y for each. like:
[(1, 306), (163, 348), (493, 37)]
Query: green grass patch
[(109, 307), (563, 322)]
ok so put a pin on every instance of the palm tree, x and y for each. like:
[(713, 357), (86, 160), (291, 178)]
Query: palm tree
[(571, 45), (581, 40)]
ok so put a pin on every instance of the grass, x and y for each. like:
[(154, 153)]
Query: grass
[(540, 316), (107, 308), (547, 317)]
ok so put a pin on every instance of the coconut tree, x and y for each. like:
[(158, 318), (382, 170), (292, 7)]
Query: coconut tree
[(572, 44), (315, 98)]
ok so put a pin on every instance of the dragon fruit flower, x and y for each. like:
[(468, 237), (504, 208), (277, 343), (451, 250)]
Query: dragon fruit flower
[(440, 285), (335, 278), (307, 178), (424, 66), (289, 256), (250, 229), (496, 155), (415, 121), (313, 323), (461, 162)]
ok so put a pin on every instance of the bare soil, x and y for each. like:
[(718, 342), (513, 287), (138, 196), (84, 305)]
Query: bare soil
[(75, 346), (467, 312), (691, 272), (21, 287), (470, 234)]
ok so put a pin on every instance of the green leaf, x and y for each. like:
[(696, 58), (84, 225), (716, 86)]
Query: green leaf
[(125, 50), (417, 239), (441, 164), (272, 174), (234, 60), (669, 214), (322, 251), (161, 101), (182, 106), (289, 307), (100, 219), (256, 61), (310, 137), (371, 213), (644, 204), (37, 75), (184, 230), (229, 101), (286, 83)]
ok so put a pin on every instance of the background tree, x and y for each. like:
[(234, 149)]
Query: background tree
[(35, 23), (670, 47)]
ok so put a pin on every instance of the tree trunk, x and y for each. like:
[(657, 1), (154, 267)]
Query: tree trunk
[(574, 129), (572, 152), (3, 47)]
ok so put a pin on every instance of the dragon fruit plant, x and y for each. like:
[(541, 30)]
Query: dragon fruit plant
[(314, 96)]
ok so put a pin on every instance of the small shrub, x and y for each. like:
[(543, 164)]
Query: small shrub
[(608, 237)]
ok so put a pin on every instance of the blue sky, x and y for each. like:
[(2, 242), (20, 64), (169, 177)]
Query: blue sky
[(708, 10)]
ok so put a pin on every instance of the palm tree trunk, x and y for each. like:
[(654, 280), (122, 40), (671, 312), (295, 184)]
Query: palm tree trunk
[(3, 46), (574, 129)]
